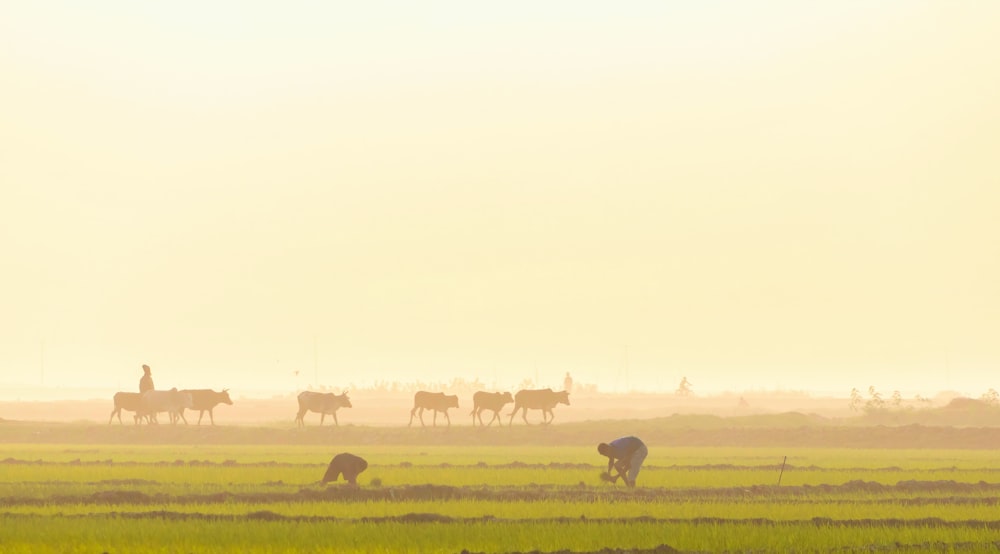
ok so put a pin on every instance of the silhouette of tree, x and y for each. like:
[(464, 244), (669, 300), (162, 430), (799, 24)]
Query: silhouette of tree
[(875, 403), (857, 401), (991, 398), (897, 399)]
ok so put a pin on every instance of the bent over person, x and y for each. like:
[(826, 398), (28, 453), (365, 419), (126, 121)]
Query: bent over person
[(625, 455), (347, 464)]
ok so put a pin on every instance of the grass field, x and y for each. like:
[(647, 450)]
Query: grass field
[(198, 497)]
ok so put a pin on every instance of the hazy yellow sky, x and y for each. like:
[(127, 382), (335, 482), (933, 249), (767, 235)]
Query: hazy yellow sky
[(793, 195)]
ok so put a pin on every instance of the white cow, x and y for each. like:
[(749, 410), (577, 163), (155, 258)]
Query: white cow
[(172, 401), (322, 403)]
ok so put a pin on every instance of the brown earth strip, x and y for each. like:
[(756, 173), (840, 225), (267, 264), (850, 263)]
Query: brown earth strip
[(421, 517), (661, 549), (348, 493), (895, 547)]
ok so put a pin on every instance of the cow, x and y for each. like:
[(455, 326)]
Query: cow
[(172, 401), (322, 403), (126, 401), (494, 401), (205, 400), (346, 463), (541, 399), (437, 401)]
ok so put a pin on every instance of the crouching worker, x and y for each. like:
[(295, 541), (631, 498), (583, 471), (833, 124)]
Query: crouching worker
[(625, 455), (348, 464)]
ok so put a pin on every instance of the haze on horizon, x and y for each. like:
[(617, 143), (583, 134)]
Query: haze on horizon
[(774, 195)]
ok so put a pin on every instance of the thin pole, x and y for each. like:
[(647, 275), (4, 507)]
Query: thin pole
[(782, 470), (626, 369)]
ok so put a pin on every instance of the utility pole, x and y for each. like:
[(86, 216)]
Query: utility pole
[(947, 369), (626, 369)]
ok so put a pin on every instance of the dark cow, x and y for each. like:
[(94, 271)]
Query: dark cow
[(541, 399), (126, 401), (205, 400), (323, 403), (437, 401), (494, 401), (172, 401), (348, 464)]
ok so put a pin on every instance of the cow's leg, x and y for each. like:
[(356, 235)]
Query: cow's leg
[(524, 415), (413, 412), (448, 417), (496, 416), (435, 418), (201, 414), (335, 422), (512, 414), (113, 412), (210, 416), (300, 417), (322, 418), (180, 416)]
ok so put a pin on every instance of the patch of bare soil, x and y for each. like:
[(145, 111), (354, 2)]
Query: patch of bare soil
[(661, 549), (266, 515), (960, 493)]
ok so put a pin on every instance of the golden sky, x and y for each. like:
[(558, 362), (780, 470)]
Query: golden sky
[(769, 195)]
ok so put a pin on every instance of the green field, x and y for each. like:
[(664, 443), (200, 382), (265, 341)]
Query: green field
[(67, 497)]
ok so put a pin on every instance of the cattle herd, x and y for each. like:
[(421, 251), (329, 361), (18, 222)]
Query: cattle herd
[(145, 406)]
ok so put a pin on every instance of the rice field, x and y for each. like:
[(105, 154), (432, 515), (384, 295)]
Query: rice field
[(493, 499)]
